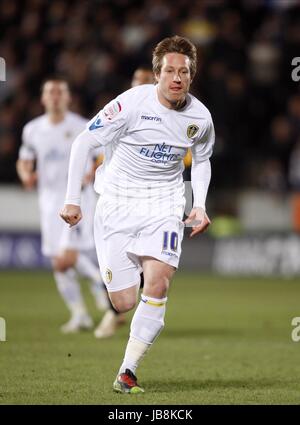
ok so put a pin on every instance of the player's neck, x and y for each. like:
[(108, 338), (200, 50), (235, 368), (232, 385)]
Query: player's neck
[(56, 117)]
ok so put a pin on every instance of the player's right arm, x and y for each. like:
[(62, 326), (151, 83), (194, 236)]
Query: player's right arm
[(103, 129), (26, 173), (25, 162), (82, 145)]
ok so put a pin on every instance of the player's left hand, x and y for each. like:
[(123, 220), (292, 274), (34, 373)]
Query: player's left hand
[(71, 214), (199, 219)]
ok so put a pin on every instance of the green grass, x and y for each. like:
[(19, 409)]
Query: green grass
[(226, 341)]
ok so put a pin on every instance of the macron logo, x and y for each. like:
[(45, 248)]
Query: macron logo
[(149, 118), (96, 124)]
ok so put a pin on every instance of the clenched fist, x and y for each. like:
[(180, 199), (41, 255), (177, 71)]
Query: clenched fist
[(199, 221), (71, 214)]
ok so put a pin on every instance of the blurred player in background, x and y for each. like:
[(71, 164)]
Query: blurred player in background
[(46, 143), (138, 219), (142, 75)]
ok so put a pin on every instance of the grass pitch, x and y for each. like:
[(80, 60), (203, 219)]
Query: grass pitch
[(226, 341)]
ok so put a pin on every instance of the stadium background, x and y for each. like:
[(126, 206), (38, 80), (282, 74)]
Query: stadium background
[(238, 286)]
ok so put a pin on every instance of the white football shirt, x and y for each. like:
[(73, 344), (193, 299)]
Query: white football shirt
[(145, 142), (50, 145)]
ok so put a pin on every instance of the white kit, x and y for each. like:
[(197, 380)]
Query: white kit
[(50, 144), (141, 206)]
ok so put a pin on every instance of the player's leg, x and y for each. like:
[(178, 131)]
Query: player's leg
[(119, 274), (69, 289), (86, 268), (79, 240), (121, 302), (52, 230), (158, 247), (84, 239), (147, 322), (115, 316), (106, 327)]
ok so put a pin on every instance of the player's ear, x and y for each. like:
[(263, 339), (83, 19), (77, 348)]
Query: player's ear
[(156, 77), (192, 76)]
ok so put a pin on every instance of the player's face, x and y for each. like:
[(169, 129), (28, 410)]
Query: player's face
[(142, 76), (55, 97), (174, 79)]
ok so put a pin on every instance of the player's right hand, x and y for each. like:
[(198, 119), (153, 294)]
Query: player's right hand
[(29, 180), (71, 214)]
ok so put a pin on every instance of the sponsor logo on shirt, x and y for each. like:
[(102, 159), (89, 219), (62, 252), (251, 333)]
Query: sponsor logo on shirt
[(96, 124), (192, 130), (150, 118), (111, 110), (160, 153)]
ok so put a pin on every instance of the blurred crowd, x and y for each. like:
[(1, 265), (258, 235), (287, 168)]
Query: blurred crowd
[(245, 50)]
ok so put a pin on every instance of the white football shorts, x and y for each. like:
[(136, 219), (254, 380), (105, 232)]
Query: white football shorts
[(122, 236)]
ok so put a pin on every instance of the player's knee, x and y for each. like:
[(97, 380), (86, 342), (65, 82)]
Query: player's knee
[(123, 305), (61, 264), (124, 300), (158, 288)]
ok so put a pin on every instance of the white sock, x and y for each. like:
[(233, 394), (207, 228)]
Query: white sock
[(69, 289), (86, 268), (146, 325)]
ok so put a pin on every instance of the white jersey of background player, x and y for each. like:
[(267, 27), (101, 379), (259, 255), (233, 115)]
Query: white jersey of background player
[(138, 219), (48, 140)]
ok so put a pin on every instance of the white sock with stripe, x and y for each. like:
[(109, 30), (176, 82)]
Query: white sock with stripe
[(146, 325)]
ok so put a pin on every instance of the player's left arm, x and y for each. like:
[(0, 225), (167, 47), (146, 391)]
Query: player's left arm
[(200, 179)]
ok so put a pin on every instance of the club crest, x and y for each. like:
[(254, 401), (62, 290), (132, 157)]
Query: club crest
[(192, 130), (108, 276)]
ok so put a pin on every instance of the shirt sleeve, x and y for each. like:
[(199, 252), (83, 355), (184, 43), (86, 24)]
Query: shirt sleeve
[(111, 121), (27, 150), (80, 152), (105, 128), (203, 147), (200, 176), (201, 168)]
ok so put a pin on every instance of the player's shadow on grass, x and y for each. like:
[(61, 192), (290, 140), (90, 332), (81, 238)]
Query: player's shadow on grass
[(200, 332), (180, 385)]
